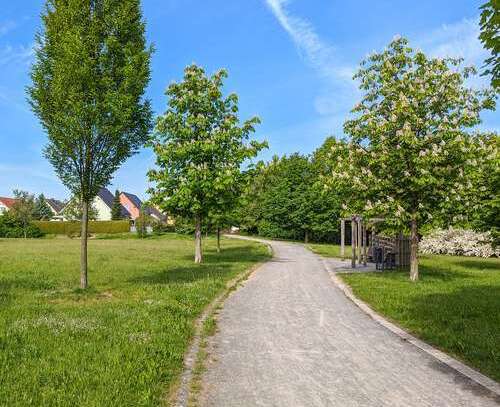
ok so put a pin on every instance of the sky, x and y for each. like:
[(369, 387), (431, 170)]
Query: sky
[(290, 61)]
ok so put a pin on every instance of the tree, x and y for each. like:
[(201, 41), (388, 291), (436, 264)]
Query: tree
[(116, 210), (200, 148), (23, 209), (490, 27), (42, 210), (91, 70), (409, 146), (73, 211)]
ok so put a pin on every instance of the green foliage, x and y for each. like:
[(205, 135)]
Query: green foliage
[(41, 209), (116, 210), (287, 200), (23, 210), (120, 343), (490, 28), (73, 210), (200, 147), (91, 70), (12, 227), (74, 229), (409, 148), (142, 223)]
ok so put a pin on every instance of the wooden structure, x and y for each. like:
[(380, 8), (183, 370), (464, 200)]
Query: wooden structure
[(391, 251)]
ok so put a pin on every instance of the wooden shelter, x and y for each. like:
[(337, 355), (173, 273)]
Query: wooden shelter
[(366, 244)]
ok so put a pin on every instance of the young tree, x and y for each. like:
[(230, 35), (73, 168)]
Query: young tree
[(116, 210), (23, 210), (200, 147), (42, 210), (490, 27), (409, 145), (73, 211), (91, 70)]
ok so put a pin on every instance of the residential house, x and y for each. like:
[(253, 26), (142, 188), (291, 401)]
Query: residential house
[(103, 203), (56, 207), (6, 204), (133, 205)]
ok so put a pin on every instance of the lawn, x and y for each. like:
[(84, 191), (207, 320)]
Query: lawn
[(122, 342), (329, 250), (455, 306)]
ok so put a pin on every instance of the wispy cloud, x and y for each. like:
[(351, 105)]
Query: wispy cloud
[(340, 90), (318, 53), (6, 26), (460, 39), (19, 54)]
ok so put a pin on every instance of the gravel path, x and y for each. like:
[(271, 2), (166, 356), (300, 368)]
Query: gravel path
[(289, 337)]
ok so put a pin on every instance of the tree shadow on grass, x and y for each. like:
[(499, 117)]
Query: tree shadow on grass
[(182, 275), (227, 255), (464, 322), (484, 264)]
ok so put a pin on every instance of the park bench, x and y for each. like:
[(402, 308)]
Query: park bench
[(384, 259)]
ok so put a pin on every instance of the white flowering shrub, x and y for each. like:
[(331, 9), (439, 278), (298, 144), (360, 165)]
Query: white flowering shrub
[(459, 242)]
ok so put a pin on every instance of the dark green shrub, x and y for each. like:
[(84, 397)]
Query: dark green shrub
[(72, 229), (12, 228)]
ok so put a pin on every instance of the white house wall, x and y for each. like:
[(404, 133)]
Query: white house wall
[(103, 210), (3, 208)]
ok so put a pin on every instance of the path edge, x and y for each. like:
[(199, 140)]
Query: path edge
[(449, 361), (182, 393)]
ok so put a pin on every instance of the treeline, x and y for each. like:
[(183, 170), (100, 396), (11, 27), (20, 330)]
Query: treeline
[(286, 199)]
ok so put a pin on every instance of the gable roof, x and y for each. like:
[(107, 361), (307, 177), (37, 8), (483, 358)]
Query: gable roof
[(8, 202), (134, 199), (55, 204), (108, 198)]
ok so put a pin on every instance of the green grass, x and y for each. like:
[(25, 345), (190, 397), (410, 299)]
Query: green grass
[(119, 343), (329, 250), (455, 306)]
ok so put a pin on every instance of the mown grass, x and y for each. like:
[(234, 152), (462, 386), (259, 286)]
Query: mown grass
[(329, 250), (119, 343), (455, 306)]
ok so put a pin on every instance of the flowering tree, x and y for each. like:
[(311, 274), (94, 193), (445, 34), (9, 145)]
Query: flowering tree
[(200, 147), (409, 148)]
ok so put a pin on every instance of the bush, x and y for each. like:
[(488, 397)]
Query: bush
[(459, 242), (12, 228), (72, 229)]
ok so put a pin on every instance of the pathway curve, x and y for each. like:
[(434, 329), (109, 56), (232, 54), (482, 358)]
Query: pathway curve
[(290, 337)]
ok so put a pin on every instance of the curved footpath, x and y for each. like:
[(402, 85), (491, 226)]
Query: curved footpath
[(290, 337)]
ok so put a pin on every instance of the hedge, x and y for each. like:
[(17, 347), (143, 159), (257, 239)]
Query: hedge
[(73, 228)]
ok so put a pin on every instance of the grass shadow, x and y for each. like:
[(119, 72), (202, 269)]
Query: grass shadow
[(484, 264)]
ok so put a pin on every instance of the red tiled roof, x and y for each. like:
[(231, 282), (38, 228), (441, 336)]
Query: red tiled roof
[(8, 202)]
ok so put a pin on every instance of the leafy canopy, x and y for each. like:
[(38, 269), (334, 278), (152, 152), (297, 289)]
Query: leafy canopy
[(91, 69), (490, 29), (200, 147), (409, 146)]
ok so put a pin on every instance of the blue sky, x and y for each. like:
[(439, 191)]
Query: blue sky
[(290, 61)]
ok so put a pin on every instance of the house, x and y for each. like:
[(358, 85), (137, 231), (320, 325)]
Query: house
[(6, 204), (103, 203), (55, 206), (133, 205)]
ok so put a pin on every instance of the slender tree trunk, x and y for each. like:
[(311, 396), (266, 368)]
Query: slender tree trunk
[(218, 239), (414, 250), (83, 250), (306, 236), (198, 255), (354, 230)]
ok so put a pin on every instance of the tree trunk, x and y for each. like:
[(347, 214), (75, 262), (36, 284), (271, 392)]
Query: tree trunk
[(414, 250), (198, 255), (306, 236), (218, 239), (83, 250), (354, 230)]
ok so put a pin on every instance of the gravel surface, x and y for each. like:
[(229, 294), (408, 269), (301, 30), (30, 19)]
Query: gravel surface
[(290, 337)]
